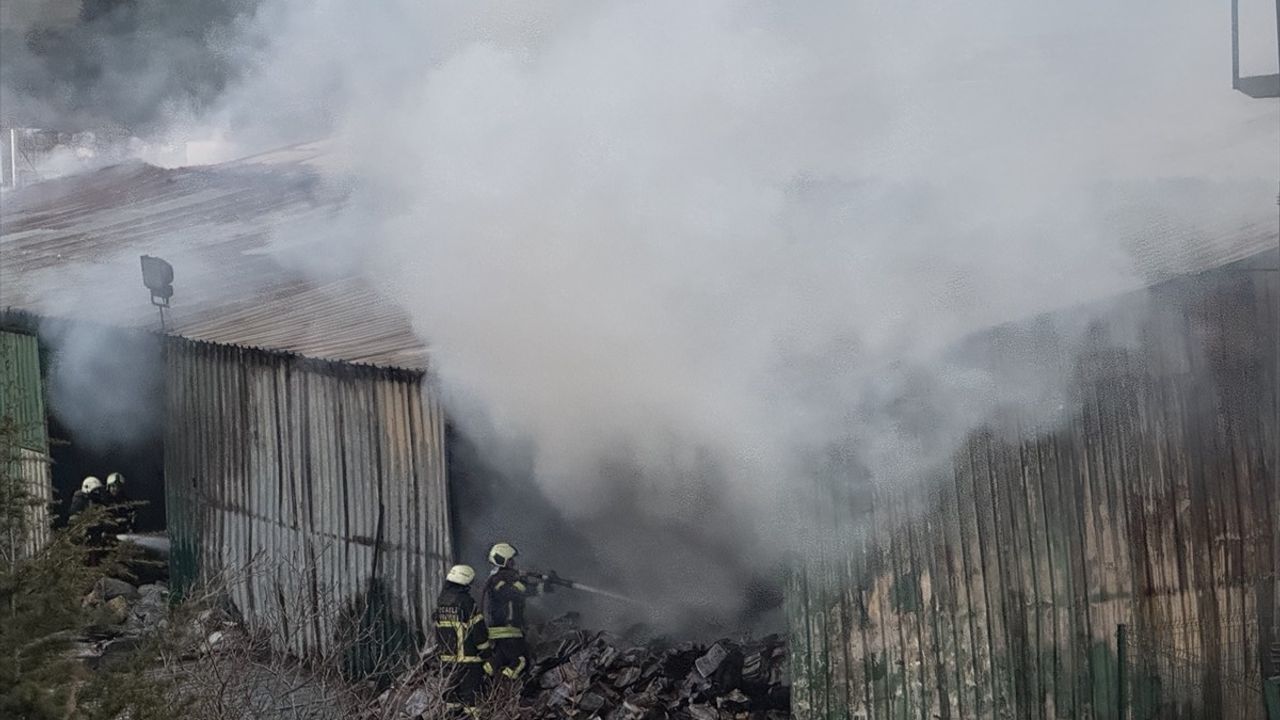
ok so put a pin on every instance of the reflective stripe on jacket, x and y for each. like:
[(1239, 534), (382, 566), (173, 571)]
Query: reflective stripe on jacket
[(461, 632)]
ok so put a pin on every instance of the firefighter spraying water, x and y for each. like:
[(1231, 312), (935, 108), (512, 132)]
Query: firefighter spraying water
[(503, 600)]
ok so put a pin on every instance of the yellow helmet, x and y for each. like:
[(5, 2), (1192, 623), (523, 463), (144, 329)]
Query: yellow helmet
[(115, 478), (90, 484), (461, 575), (502, 554)]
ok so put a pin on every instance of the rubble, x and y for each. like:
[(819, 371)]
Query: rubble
[(126, 614), (108, 589), (576, 673), (123, 615), (149, 611), (600, 675), (138, 609)]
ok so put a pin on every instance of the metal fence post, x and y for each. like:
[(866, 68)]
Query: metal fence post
[(1122, 671)]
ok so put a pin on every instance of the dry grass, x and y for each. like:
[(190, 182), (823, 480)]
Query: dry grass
[(217, 667)]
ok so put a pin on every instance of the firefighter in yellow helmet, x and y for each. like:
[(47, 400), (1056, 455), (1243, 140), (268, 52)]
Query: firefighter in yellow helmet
[(504, 599), (461, 636)]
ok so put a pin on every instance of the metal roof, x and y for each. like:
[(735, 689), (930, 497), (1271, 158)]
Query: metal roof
[(69, 248)]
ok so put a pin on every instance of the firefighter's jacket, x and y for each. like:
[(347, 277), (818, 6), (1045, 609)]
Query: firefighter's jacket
[(121, 511), (461, 633), (81, 501), (504, 598)]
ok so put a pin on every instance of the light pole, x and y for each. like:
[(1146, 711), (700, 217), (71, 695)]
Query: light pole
[(157, 276)]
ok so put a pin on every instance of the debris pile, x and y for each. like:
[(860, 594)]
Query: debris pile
[(602, 676), (576, 673), (599, 675), (126, 614)]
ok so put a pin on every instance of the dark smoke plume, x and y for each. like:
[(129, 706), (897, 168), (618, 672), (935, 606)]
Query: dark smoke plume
[(128, 65)]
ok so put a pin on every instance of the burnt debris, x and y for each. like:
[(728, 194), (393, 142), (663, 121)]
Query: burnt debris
[(601, 675)]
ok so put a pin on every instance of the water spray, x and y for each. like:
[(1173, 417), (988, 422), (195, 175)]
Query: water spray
[(552, 578)]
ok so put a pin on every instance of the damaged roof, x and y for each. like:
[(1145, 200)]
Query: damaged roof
[(247, 243)]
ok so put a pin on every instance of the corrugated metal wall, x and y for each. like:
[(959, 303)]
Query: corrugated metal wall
[(995, 591), (25, 455), (21, 390), (278, 471), (32, 469)]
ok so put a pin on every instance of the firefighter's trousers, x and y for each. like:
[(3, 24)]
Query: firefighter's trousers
[(509, 658), (464, 685)]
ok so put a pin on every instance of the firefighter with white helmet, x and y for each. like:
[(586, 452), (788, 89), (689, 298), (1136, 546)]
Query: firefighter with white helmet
[(89, 495), (504, 600), (461, 636), (118, 504)]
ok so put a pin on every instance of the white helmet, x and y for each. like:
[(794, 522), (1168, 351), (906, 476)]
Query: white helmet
[(502, 554), (90, 484), (461, 575), (115, 479)]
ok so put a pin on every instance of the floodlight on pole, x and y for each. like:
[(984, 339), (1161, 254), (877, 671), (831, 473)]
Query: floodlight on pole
[(157, 276)]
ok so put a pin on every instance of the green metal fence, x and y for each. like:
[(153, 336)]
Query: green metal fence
[(24, 446), (21, 390)]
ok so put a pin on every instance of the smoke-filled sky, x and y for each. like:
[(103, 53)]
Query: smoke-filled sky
[(135, 66), (690, 252)]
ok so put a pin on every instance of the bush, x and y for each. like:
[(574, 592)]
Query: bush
[(42, 617), (200, 662)]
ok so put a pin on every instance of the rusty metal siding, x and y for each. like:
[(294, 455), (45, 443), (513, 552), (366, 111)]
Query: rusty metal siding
[(996, 589), (279, 469)]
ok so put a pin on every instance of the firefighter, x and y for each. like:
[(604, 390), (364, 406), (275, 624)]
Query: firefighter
[(504, 599), (118, 505), (89, 495), (461, 636)]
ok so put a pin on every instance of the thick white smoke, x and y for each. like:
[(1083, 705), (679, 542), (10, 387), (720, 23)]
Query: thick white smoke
[(702, 256), (705, 255)]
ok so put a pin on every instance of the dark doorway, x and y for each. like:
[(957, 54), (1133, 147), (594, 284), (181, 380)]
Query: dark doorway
[(104, 392), (141, 461)]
